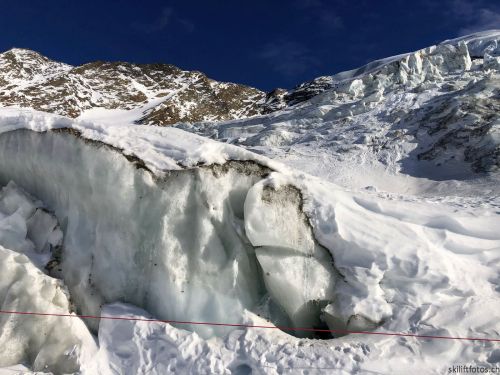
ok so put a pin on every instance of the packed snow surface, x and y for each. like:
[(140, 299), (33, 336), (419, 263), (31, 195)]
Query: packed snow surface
[(121, 220)]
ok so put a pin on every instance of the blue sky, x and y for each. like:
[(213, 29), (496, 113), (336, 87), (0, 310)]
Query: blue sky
[(265, 44)]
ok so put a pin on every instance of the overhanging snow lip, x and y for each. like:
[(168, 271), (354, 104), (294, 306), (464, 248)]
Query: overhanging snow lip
[(158, 150), (142, 164), (135, 160)]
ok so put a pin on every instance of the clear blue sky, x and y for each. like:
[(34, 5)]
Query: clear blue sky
[(265, 44)]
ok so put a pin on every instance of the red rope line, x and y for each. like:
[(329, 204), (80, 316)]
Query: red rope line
[(339, 331)]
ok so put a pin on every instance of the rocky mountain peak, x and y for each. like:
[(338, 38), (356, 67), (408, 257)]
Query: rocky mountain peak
[(162, 94), (20, 66)]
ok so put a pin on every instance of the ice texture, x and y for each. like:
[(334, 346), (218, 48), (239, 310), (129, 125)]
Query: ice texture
[(46, 343)]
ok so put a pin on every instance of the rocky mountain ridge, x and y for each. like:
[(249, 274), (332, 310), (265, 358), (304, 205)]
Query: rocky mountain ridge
[(163, 94), (159, 94)]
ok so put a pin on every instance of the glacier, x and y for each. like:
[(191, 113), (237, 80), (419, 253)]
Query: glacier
[(202, 239), (123, 220), (410, 124)]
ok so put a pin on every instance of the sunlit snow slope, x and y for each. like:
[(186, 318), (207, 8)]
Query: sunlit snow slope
[(415, 123)]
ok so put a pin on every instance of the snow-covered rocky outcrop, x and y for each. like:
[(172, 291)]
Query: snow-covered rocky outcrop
[(159, 94), (164, 224)]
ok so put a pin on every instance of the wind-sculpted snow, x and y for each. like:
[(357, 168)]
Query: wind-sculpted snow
[(141, 221), (162, 223)]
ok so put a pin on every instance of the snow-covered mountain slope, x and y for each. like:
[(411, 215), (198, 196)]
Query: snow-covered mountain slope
[(478, 44), (397, 232), (162, 223), (412, 123), (156, 93)]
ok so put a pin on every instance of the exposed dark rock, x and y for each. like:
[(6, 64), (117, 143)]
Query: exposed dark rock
[(165, 93)]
